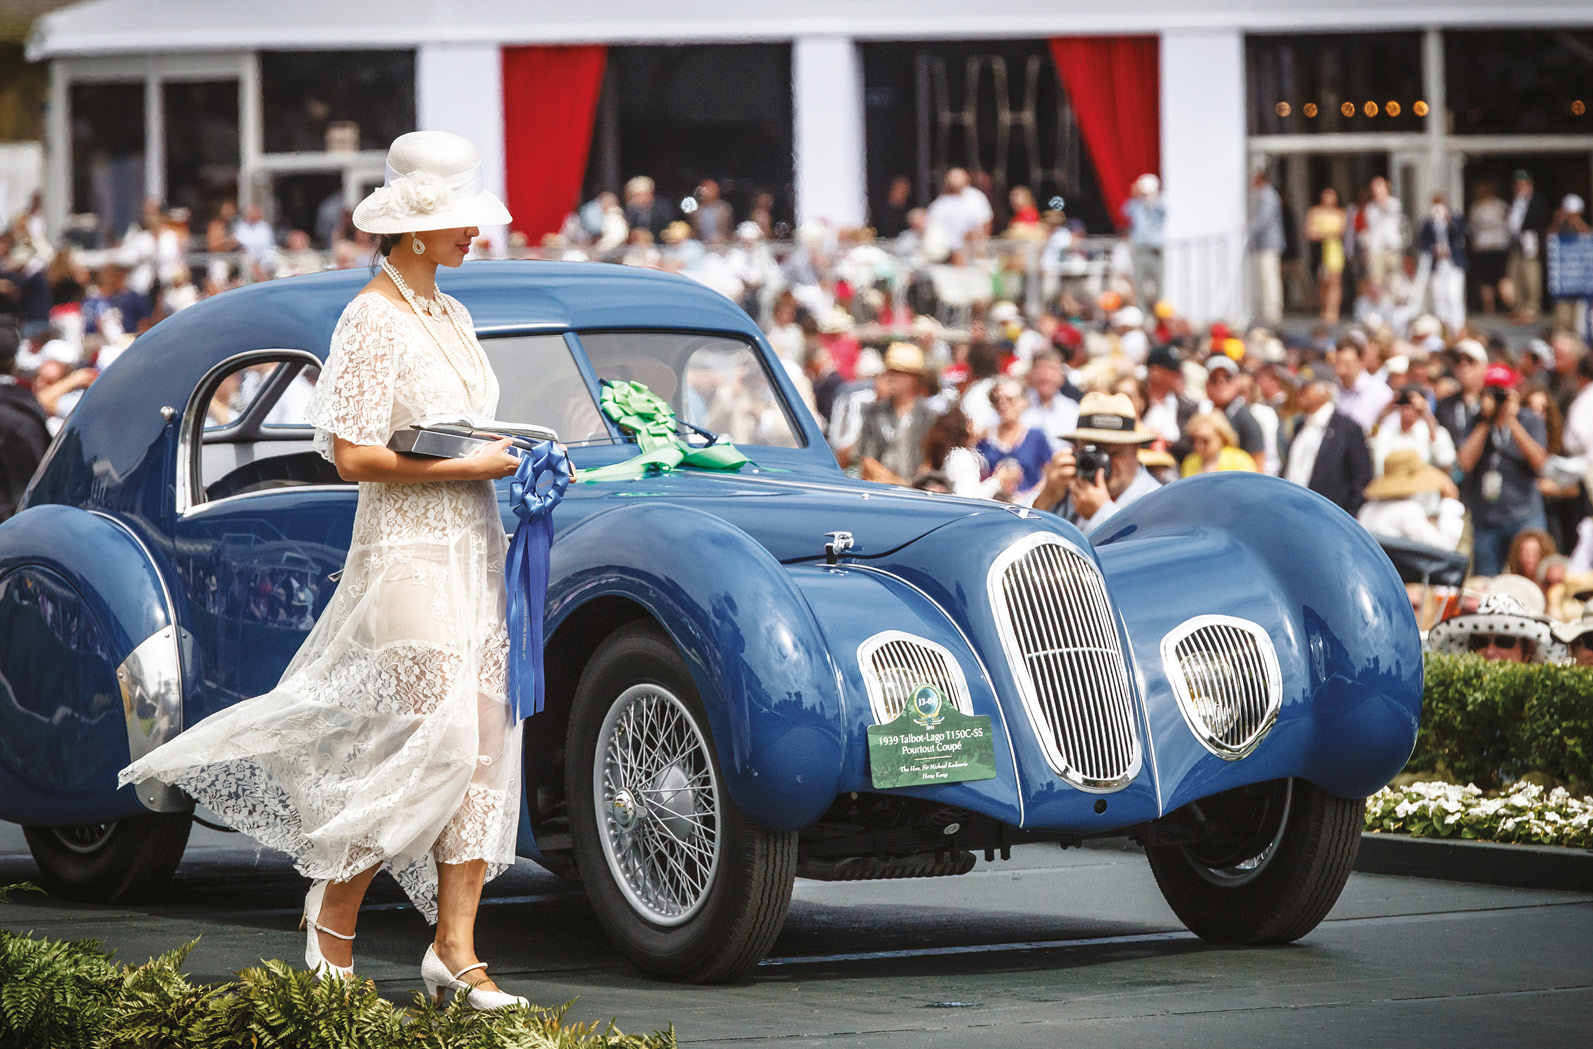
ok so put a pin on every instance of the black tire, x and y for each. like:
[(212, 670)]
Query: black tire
[(1276, 865), (129, 859), (747, 890)]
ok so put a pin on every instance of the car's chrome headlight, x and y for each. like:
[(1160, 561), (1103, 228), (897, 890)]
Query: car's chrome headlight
[(1224, 674)]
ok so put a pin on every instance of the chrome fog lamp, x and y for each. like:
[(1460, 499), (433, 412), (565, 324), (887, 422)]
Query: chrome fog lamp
[(895, 663), (1224, 673)]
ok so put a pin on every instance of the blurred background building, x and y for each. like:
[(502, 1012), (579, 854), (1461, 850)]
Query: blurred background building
[(812, 110)]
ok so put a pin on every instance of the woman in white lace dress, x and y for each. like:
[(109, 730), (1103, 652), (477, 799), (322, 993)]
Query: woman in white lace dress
[(389, 742)]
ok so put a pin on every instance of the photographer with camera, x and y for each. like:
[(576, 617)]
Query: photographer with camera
[(1501, 457), (1408, 423), (1101, 472)]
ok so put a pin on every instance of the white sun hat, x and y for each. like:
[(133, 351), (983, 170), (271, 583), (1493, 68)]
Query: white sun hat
[(433, 182), (1498, 614)]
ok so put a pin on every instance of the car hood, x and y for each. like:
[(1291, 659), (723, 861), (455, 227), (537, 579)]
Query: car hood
[(788, 515)]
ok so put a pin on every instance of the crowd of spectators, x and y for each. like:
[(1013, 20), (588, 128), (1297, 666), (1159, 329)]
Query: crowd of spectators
[(1016, 364), (1370, 255)]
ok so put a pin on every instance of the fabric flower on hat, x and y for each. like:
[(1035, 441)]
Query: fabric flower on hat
[(420, 192)]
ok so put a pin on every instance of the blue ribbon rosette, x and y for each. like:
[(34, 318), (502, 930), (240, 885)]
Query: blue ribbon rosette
[(526, 570)]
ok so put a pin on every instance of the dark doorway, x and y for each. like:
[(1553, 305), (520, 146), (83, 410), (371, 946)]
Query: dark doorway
[(995, 107), (201, 122), (108, 155), (680, 114)]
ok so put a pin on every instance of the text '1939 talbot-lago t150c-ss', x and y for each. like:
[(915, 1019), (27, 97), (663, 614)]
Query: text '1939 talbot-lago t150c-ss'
[(752, 674)]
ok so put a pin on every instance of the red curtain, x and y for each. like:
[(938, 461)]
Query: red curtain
[(549, 100), (1114, 83)]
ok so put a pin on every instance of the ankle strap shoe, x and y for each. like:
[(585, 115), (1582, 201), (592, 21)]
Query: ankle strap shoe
[(440, 983), (313, 959)]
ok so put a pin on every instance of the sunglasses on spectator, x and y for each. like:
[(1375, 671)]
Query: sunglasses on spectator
[(1504, 642)]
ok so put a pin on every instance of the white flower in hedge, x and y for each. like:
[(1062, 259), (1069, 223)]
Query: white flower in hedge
[(1528, 814)]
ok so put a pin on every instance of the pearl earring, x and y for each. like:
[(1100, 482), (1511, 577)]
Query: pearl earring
[(419, 248)]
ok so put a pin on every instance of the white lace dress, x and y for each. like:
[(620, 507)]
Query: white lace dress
[(388, 739)]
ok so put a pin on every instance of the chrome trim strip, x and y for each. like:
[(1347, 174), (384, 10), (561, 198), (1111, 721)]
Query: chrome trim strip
[(1072, 716), (227, 500), (948, 674), (1226, 638), (1006, 729), (151, 683), (183, 480)]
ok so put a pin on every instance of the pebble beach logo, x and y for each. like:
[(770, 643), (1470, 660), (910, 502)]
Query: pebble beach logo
[(926, 703)]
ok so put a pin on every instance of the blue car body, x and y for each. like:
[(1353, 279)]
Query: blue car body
[(105, 557)]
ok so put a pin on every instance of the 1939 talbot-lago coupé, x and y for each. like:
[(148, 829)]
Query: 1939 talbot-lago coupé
[(1223, 673)]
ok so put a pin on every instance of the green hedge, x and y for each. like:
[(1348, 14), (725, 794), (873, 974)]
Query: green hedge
[(1491, 723), (57, 994)]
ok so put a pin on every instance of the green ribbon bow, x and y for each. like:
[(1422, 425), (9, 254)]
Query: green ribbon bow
[(645, 415)]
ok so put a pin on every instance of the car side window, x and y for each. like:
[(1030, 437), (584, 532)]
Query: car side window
[(239, 390), (713, 381), (539, 382), (249, 429)]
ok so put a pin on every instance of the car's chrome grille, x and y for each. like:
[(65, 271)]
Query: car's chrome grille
[(1224, 673), (1056, 622), (896, 664)]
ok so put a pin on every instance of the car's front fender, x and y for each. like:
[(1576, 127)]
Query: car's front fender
[(1277, 554), (757, 656)]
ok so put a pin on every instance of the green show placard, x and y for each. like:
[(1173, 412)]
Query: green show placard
[(930, 742)]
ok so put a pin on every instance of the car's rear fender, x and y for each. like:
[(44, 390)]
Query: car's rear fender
[(756, 654), (1277, 554), (90, 667)]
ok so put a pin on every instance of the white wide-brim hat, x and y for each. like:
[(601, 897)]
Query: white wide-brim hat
[(433, 182), (1498, 614)]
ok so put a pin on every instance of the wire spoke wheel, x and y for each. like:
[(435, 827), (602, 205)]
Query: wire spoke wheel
[(84, 838), (659, 804), (681, 880), (128, 859)]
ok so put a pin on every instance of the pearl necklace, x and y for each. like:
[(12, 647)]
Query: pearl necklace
[(476, 381)]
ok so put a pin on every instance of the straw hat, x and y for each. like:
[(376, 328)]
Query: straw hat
[(1108, 418), (1157, 459), (1498, 614), (1405, 474), (433, 182), (904, 357), (836, 321)]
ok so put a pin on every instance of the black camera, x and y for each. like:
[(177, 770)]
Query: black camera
[(1092, 457)]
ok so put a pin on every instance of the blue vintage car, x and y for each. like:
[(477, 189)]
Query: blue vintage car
[(1222, 672)]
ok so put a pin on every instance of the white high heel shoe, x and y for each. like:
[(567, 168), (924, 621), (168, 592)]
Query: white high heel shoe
[(313, 959), (439, 981)]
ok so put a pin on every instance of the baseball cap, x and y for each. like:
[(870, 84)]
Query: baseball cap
[(1221, 363), (1473, 349), (1163, 357), (1499, 375)]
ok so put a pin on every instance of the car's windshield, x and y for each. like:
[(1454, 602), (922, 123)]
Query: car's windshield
[(712, 381)]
